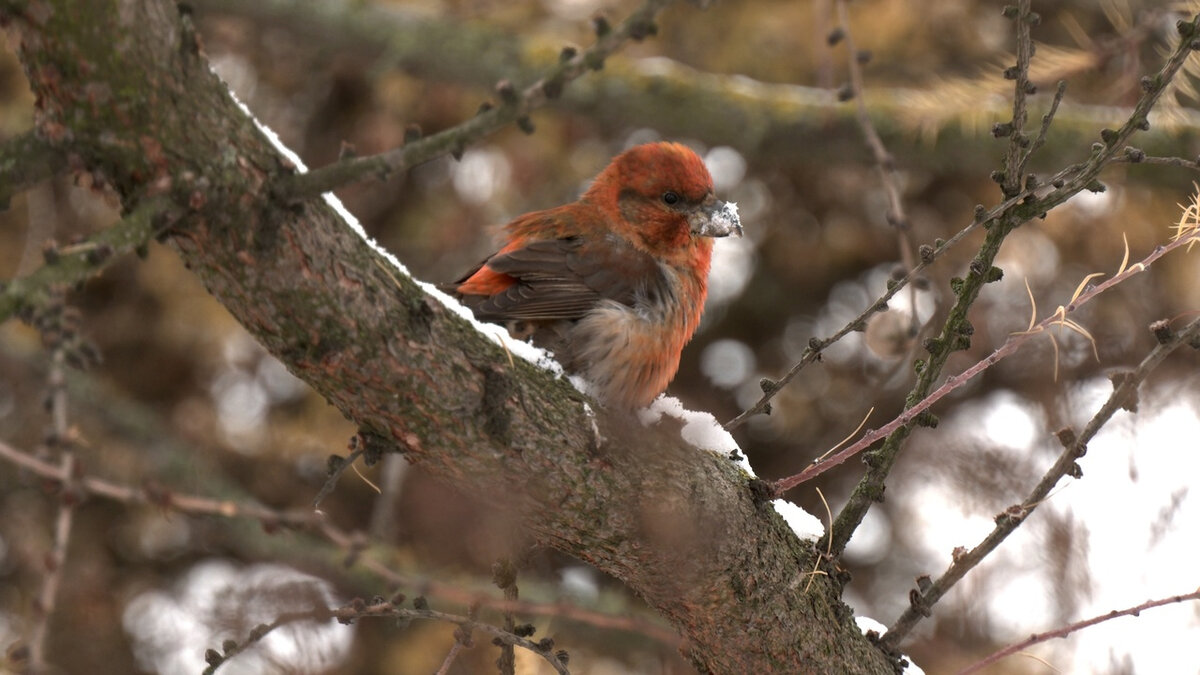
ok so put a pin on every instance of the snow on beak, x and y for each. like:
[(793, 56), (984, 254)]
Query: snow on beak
[(715, 218)]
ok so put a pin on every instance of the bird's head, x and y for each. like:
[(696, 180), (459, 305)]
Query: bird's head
[(660, 197)]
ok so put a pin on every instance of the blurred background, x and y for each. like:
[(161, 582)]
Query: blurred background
[(185, 399)]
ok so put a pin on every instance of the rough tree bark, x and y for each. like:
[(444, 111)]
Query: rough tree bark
[(122, 87)]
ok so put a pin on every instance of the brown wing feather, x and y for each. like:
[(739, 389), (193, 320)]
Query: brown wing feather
[(563, 279)]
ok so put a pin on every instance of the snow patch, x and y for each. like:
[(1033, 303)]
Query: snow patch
[(700, 429), (866, 623), (803, 523)]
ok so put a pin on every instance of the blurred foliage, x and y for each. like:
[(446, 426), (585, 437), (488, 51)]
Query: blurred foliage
[(184, 398)]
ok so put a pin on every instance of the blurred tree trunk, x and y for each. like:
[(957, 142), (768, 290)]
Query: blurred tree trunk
[(123, 88)]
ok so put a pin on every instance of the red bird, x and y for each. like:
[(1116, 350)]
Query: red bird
[(614, 283)]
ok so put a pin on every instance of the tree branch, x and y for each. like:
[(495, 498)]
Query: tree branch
[(1124, 395), (957, 330), (764, 119), (358, 609), (1010, 347), (1063, 632), (70, 265), (351, 544), (680, 527), (514, 107)]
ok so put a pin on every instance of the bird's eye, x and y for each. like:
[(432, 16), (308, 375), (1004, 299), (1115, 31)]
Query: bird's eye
[(670, 198)]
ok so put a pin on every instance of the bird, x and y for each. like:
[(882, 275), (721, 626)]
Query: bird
[(613, 284)]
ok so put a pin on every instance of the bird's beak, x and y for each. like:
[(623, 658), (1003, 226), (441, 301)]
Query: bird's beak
[(715, 218)]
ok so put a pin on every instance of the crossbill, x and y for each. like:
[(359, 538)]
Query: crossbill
[(614, 283)]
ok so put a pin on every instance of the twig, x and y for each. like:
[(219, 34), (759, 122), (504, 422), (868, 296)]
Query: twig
[(504, 575), (1014, 161), (514, 107), (1135, 156), (336, 472), (1064, 631), (450, 656), (1047, 120), (885, 163), (76, 263), (1074, 446), (157, 496), (307, 518), (957, 330), (1010, 346), (60, 439), (358, 609), (929, 255)]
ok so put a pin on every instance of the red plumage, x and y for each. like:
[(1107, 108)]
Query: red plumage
[(613, 284)]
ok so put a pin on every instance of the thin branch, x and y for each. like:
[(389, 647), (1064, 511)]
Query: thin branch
[(504, 575), (1059, 92), (358, 609), (336, 472), (47, 598), (450, 656), (1074, 447), (70, 265), (885, 163), (1064, 631), (1010, 346), (929, 255), (1014, 161), (514, 107), (772, 118), (957, 330), (309, 519), (1135, 156), (159, 497), (26, 160)]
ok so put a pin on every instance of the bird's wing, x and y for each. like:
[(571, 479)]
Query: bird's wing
[(564, 279)]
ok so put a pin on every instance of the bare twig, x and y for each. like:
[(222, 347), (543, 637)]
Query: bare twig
[(336, 471), (957, 330), (61, 440), (358, 609), (885, 163), (450, 656), (514, 107), (812, 353), (1064, 631), (160, 497), (1018, 146), (70, 265), (1010, 346), (504, 575), (1135, 156), (309, 519), (1047, 120), (1074, 446)]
